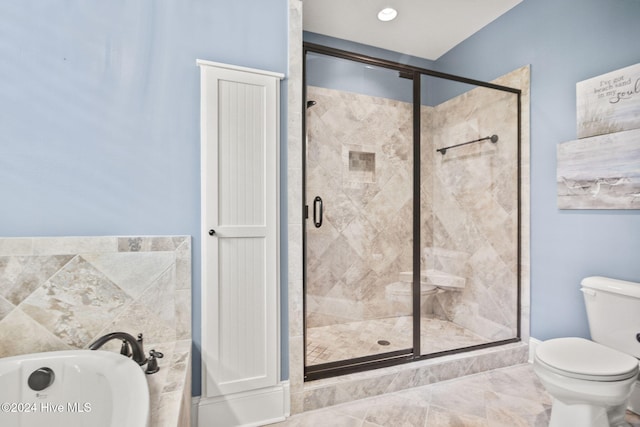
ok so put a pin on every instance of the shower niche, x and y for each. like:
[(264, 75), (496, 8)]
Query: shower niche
[(413, 176), (362, 166)]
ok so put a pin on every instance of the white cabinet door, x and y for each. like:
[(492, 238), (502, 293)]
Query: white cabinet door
[(240, 299)]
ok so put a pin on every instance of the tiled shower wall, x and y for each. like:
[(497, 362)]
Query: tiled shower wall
[(64, 292), (360, 162), (469, 205)]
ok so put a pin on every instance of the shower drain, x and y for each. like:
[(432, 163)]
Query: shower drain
[(383, 342)]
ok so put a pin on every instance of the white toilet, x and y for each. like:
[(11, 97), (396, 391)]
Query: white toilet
[(591, 381)]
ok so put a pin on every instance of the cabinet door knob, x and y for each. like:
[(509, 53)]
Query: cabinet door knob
[(212, 232)]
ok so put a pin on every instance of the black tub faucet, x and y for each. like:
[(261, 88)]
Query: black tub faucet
[(137, 352)]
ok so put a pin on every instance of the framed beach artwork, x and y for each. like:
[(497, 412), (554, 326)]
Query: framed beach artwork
[(601, 170)]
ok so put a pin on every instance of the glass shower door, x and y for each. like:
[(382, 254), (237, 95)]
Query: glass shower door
[(469, 215), (359, 201), (412, 228)]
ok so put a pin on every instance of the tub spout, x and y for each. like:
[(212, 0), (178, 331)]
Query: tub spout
[(137, 352)]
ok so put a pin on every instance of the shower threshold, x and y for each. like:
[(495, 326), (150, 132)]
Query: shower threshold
[(346, 388)]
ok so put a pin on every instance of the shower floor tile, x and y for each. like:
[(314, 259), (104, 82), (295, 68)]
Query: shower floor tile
[(357, 339)]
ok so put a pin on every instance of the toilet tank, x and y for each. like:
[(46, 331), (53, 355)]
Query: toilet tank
[(613, 310)]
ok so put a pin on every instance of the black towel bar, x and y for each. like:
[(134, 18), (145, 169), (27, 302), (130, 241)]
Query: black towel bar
[(493, 138)]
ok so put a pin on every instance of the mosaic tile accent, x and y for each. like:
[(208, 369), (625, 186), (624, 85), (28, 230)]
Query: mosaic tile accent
[(62, 293)]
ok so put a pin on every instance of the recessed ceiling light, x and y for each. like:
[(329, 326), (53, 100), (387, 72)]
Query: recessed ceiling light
[(387, 14)]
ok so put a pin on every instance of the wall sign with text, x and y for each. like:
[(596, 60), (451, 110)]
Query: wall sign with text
[(609, 103)]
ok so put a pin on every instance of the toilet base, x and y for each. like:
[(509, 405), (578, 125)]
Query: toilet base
[(563, 415), (585, 403), (634, 400)]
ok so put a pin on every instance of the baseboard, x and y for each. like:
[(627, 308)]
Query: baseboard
[(246, 409), (195, 404), (533, 343)]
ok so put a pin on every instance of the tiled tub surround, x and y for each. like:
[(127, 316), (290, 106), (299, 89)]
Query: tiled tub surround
[(170, 388), (62, 293)]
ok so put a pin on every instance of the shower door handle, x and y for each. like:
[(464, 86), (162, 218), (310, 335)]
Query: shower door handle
[(317, 212)]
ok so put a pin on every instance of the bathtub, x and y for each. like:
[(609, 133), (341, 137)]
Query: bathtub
[(74, 388)]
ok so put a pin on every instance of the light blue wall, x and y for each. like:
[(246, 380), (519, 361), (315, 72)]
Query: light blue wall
[(100, 112), (364, 49), (565, 42), (351, 76), (347, 75)]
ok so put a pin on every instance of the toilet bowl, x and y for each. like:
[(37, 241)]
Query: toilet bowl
[(591, 382)]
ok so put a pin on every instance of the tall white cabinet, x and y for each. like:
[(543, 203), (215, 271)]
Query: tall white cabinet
[(240, 282)]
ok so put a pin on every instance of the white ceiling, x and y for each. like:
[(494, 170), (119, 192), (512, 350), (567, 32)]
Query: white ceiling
[(424, 28)]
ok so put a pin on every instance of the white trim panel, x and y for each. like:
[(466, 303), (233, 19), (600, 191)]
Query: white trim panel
[(253, 408), (204, 62)]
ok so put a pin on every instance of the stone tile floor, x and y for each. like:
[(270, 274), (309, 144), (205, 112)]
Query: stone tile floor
[(507, 397), (356, 339)]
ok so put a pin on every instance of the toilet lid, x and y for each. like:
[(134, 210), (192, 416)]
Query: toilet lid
[(584, 359)]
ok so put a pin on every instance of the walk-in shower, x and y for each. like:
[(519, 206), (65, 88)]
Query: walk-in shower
[(411, 200)]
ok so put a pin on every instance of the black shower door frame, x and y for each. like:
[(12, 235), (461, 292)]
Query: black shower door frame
[(344, 367)]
